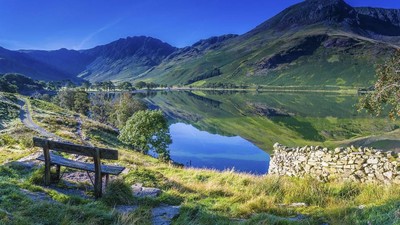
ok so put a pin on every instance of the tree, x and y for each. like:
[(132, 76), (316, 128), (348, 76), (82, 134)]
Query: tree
[(76, 100), (126, 106), (387, 90), (140, 84), (148, 130), (126, 86), (101, 107), (65, 99), (81, 102), (85, 85)]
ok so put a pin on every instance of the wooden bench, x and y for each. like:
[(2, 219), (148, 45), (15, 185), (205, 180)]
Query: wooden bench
[(50, 159)]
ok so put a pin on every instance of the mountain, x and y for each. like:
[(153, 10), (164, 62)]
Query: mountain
[(17, 62), (315, 42), (70, 62), (125, 59), (312, 43)]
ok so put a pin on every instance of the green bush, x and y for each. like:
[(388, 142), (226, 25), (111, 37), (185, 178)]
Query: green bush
[(26, 141), (118, 193), (7, 139), (37, 177)]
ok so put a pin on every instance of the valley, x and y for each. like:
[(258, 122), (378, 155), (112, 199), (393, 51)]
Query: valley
[(294, 120)]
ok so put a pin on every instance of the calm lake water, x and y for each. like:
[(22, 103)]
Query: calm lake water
[(195, 148), (236, 130)]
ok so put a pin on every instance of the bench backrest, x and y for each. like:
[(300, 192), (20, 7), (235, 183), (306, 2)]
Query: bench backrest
[(75, 149)]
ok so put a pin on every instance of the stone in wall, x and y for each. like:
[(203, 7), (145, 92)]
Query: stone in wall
[(356, 164)]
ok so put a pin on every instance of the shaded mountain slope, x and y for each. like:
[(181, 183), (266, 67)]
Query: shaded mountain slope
[(16, 62), (70, 62), (125, 58)]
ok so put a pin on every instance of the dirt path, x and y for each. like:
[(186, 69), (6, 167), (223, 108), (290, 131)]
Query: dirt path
[(79, 131), (26, 119)]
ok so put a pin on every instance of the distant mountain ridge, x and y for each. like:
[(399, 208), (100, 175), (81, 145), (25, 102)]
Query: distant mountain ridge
[(315, 42)]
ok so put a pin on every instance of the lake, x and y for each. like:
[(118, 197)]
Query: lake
[(236, 130)]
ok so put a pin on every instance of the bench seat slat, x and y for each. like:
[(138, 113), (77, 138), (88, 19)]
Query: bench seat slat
[(59, 160)]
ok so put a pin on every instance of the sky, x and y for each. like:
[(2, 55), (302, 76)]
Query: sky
[(83, 24)]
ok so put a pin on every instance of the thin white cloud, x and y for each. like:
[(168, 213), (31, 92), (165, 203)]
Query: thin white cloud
[(93, 34), (15, 45)]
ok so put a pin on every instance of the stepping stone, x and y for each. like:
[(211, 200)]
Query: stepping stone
[(163, 215), (142, 192)]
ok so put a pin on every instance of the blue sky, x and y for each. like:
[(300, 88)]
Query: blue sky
[(81, 24)]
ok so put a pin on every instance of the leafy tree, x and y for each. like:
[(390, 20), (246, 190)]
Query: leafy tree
[(101, 107), (126, 86), (76, 100), (387, 90), (124, 108), (85, 85), (140, 84), (148, 130), (65, 99), (69, 84), (81, 102)]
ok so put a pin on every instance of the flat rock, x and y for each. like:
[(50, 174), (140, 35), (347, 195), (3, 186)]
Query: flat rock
[(299, 217), (141, 192), (37, 196), (163, 215), (294, 205), (124, 209)]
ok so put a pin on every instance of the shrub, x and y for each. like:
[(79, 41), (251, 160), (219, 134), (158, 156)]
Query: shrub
[(7, 139), (118, 193), (26, 142)]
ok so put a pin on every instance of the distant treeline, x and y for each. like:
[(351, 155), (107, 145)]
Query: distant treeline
[(18, 83)]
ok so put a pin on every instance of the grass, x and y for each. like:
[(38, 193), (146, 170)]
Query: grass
[(206, 196)]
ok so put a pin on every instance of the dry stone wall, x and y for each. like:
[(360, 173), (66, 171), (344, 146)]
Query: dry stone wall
[(356, 164)]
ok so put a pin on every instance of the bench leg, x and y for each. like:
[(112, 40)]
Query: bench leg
[(107, 179), (58, 171), (98, 181), (47, 174)]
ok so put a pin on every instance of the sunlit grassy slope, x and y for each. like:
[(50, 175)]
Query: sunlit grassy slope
[(310, 57)]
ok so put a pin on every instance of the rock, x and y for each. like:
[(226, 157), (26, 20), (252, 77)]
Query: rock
[(277, 145), (298, 204), (388, 174), (372, 161), (358, 164), (338, 150), (142, 192), (299, 217), (163, 215), (37, 196), (123, 209)]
